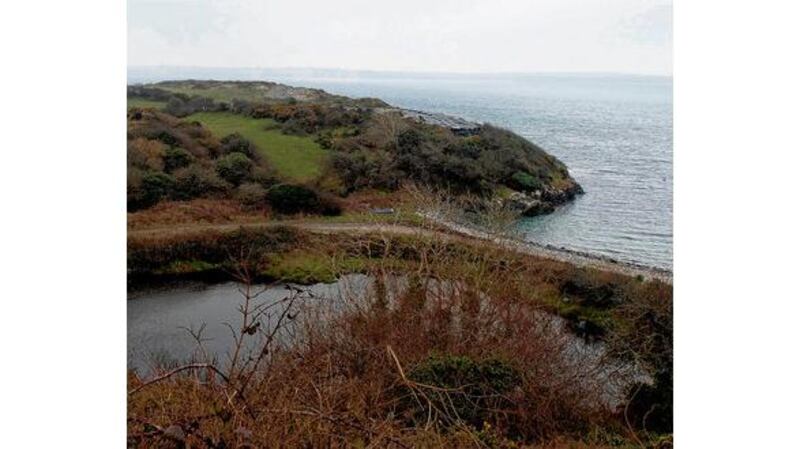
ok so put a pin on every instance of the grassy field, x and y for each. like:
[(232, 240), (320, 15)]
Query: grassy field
[(145, 103), (224, 93), (295, 158)]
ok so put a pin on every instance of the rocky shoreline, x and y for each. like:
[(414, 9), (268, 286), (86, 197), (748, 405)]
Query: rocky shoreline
[(541, 202)]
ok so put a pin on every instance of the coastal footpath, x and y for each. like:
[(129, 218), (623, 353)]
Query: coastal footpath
[(443, 230)]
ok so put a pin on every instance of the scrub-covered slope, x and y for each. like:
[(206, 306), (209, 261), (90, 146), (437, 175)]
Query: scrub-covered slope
[(338, 145)]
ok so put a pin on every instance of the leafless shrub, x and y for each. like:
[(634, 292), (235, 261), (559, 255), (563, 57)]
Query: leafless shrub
[(466, 213)]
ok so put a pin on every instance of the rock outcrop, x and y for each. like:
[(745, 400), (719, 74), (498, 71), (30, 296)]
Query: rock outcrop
[(541, 202), (458, 125)]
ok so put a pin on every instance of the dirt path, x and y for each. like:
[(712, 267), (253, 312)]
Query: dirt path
[(447, 231)]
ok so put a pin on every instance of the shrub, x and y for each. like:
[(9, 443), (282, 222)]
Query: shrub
[(588, 290), (465, 148), (134, 188), (524, 181), (177, 107), (146, 154), (251, 195), (148, 256), (362, 168), (645, 334), (181, 106), (154, 187), (477, 387), (409, 141), (329, 206), (195, 181), (291, 199), (650, 406), (236, 143), (263, 176), (234, 168), (175, 158)]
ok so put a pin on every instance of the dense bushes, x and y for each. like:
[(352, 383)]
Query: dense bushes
[(369, 148), (234, 168), (236, 143), (177, 160), (150, 93), (146, 188), (251, 195), (169, 159), (292, 199), (525, 182), (178, 104), (382, 154), (182, 105), (307, 118), (647, 337), (477, 388), (222, 249), (198, 181)]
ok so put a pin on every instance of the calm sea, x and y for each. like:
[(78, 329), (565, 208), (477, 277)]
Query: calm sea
[(614, 132)]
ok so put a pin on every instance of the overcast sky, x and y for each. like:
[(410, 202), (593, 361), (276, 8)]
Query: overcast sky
[(626, 36)]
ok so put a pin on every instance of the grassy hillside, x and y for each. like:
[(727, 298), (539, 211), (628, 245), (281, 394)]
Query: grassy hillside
[(338, 145), (217, 94), (138, 102), (297, 158)]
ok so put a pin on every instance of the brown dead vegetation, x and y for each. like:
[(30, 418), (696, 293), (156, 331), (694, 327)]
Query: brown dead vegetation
[(351, 377), (197, 211)]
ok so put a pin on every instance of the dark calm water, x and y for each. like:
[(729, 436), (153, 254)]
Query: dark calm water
[(158, 324), (614, 132)]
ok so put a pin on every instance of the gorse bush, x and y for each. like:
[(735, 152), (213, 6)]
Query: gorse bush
[(181, 105), (175, 158), (289, 199), (370, 145), (154, 187), (251, 195), (179, 160), (479, 378), (234, 168), (383, 153), (476, 388), (525, 182), (264, 176), (292, 199), (236, 143), (198, 181)]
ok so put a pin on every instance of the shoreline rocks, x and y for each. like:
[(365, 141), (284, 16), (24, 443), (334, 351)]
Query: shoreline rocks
[(541, 202)]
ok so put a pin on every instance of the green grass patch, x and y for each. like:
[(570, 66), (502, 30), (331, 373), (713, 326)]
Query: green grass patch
[(503, 192), (303, 268), (186, 267), (223, 93), (138, 102), (295, 158)]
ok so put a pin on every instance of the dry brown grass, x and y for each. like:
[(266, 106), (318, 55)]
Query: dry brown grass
[(197, 211), (364, 200)]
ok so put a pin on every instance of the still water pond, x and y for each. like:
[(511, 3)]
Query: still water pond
[(160, 321)]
